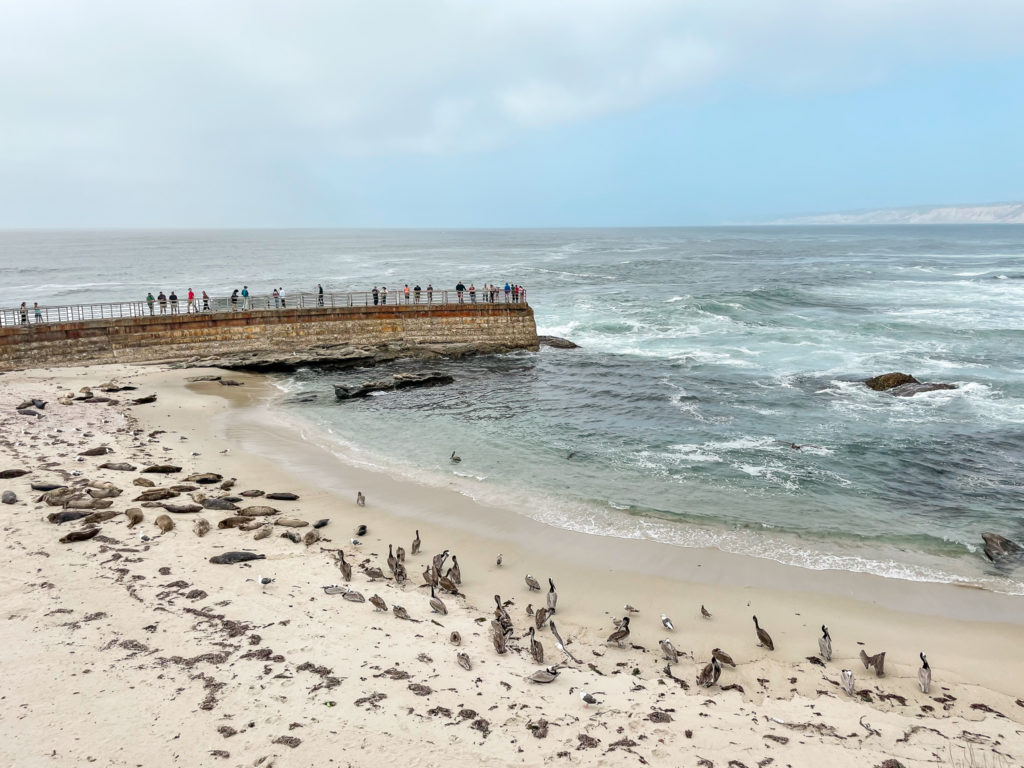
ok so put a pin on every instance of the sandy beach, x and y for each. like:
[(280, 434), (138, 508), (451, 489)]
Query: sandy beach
[(132, 649)]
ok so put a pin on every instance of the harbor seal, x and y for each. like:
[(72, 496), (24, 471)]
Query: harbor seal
[(311, 537), (321, 523), (134, 515), (10, 474), (120, 466), (101, 517), (220, 504), (79, 535), (231, 522), (145, 482), (47, 486), (283, 496), (156, 494), (264, 531), (165, 523), (291, 522), (251, 493), (230, 558), (201, 526), (292, 536), (182, 509), (259, 511), (66, 516), (162, 469), (205, 478)]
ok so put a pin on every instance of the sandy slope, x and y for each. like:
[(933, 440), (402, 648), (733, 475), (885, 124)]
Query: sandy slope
[(126, 652)]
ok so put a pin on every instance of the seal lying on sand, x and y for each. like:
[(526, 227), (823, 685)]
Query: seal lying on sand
[(229, 558), (79, 535)]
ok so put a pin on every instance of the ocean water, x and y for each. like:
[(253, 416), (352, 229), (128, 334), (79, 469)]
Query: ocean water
[(706, 355)]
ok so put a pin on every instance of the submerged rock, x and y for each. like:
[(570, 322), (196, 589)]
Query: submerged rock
[(1000, 549), (903, 384), (557, 342), (398, 381)]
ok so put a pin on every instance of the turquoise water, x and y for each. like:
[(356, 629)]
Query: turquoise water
[(706, 354)]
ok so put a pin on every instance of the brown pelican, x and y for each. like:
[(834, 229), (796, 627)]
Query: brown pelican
[(710, 674), (877, 661), (621, 633), (666, 622), (400, 612), (532, 583), (416, 543), (924, 675), (439, 560), (463, 658), (373, 573), (454, 459), (392, 560), (400, 573), (346, 568), (436, 605), (353, 597), (545, 675), (536, 648), (540, 617), (378, 603), (705, 612), (825, 644), (445, 582), (669, 650), (455, 570), (552, 596), (429, 577), (455, 638), (723, 657), (764, 639), (498, 637), (847, 683), (400, 554), (560, 645)]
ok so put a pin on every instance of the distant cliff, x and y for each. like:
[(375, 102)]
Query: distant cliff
[(995, 213)]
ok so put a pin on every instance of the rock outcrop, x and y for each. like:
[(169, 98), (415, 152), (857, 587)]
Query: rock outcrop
[(1000, 549), (557, 342), (903, 384), (398, 381)]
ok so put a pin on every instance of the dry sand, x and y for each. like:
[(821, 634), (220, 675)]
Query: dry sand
[(121, 651)]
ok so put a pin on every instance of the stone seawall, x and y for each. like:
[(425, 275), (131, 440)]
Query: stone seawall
[(494, 327)]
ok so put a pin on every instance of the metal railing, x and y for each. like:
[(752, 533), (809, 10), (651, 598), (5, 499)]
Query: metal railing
[(30, 315)]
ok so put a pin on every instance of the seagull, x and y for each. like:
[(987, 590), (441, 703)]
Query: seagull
[(825, 644), (455, 459), (356, 542), (924, 675), (588, 699), (630, 609), (265, 580), (532, 583), (669, 650), (763, 637), (666, 622), (705, 612)]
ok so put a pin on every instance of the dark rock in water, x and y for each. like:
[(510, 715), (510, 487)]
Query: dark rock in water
[(182, 509), (303, 397), (321, 523), (228, 558), (903, 385), (999, 548), (557, 342), (889, 380), (79, 535), (10, 474), (398, 381), (47, 486), (101, 451), (205, 478), (221, 504), (8, 497), (283, 496), (163, 469), (120, 466)]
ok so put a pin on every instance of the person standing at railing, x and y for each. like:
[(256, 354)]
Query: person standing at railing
[(430, 293), (416, 293), (149, 301), (376, 295), (206, 302), (234, 300), (472, 293), (383, 294), (508, 291), (162, 300), (191, 307), (174, 302), (459, 288), (38, 312), (24, 314), (277, 299), (319, 295), (406, 292), (284, 302), (245, 297)]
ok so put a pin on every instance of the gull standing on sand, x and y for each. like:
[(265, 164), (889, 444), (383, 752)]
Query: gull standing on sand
[(763, 638), (499, 560), (825, 644), (630, 609), (666, 622), (924, 675), (532, 583), (587, 699), (265, 580)]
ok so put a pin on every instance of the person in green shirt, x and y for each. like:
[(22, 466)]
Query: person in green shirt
[(149, 301)]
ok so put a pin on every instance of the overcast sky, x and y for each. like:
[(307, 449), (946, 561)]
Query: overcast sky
[(483, 113)]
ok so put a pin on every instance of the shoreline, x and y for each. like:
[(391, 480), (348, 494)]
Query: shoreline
[(972, 637)]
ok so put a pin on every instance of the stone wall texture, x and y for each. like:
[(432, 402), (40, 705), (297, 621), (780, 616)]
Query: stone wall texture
[(185, 336)]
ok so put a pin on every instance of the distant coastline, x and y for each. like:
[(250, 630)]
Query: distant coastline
[(991, 213)]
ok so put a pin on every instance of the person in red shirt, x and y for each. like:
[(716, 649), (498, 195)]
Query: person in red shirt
[(191, 300)]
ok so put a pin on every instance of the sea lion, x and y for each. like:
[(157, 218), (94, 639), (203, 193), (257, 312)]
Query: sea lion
[(219, 504), (201, 526), (232, 522), (79, 535), (10, 474), (291, 536), (165, 523), (263, 532), (291, 522), (101, 517), (311, 537), (57, 496), (101, 451), (145, 482), (66, 516), (205, 478), (283, 496), (104, 493), (47, 486), (134, 515), (120, 466), (321, 523), (156, 494), (259, 511), (182, 509), (162, 469), (230, 558)]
